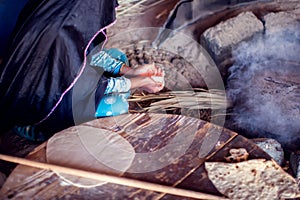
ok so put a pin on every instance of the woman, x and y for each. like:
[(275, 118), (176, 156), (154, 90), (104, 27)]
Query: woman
[(41, 76)]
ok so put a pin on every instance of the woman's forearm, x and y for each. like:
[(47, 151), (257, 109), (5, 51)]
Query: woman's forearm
[(126, 70), (137, 82)]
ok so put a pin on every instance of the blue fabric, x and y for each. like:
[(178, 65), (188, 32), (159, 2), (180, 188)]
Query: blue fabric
[(118, 55), (113, 105), (116, 103), (29, 133), (110, 60), (117, 85), (9, 12), (103, 60)]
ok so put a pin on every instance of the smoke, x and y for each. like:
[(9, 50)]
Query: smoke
[(264, 85)]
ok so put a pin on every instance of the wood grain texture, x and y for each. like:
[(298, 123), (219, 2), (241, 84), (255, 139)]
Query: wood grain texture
[(147, 133)]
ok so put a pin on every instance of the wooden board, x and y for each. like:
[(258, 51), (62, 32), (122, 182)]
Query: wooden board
[(146, 133)]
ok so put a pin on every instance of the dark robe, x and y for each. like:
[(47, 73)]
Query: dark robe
[(44, 59), (9, 12)]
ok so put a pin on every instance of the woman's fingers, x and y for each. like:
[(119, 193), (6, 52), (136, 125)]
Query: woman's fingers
[(149, 70), (158, 86), (153, 86), (158, 71)]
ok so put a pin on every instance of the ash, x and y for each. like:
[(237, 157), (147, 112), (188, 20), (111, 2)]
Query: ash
[(264, 85)]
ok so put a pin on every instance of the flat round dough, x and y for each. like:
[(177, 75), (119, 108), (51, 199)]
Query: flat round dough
[(91, 149)]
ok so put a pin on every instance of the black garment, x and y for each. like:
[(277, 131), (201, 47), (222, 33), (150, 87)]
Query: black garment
[(9, 12), (45, 57)]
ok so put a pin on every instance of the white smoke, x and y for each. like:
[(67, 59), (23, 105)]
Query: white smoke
[(262, 101)]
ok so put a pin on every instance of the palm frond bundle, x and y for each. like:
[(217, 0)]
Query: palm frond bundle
[(196, 99)]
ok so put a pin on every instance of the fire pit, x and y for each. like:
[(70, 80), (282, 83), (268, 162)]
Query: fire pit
[(266, 102)]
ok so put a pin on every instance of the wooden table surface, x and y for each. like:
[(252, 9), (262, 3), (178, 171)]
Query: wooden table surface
[(146, 133)]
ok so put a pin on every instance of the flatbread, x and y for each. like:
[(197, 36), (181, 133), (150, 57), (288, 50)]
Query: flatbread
[(254, 179), (91, 149)]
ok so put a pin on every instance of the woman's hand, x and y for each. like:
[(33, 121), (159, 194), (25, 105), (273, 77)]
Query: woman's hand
[(146, 83), (144, 70), (140, 77), (148, 70)]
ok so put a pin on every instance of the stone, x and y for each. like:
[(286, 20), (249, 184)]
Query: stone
[(271, 147), (2, 179), (281, 21), (295, 165), (222, 38)]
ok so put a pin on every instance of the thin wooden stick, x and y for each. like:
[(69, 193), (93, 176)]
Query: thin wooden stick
[(111, 179)]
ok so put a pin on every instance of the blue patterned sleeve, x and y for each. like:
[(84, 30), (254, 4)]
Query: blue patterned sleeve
[(118, 85), (105, 61)]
